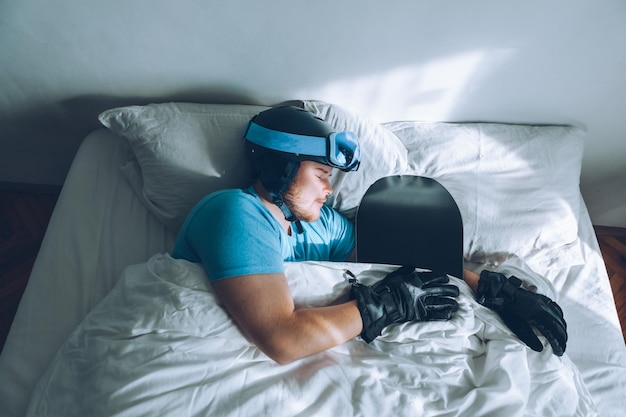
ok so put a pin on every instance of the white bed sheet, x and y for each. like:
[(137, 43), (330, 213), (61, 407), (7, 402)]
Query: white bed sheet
[(83, 255), (596, 344), (161, 344)]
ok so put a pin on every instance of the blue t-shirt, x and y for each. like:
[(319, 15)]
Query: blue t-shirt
[(232, 233)]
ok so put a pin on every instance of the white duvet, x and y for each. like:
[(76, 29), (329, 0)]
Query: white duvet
[(160, 345)]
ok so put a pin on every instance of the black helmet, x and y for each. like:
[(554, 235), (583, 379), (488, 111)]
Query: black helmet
[(279, 138)]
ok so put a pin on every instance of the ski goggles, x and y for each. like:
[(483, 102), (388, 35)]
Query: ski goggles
[(339, 149)]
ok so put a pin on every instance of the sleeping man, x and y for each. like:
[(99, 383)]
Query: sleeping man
[(242, 237)]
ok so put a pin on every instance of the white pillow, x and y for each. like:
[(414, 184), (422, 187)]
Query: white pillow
[(382, 154), (183, 151), (517, 186)]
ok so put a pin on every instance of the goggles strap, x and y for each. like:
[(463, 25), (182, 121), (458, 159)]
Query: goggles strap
[(285, 142)]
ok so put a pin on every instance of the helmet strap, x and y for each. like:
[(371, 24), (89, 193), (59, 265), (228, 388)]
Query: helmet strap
[(288, 214), (267, 173), (291, 169)]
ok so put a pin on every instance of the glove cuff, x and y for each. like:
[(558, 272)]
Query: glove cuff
[(494, 289), (371, 309)]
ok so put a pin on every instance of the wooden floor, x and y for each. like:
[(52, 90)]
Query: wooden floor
[(23, 221), (613, 246), (24, 218)]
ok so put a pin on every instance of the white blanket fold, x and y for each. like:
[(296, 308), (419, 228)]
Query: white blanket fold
[(160, 344)]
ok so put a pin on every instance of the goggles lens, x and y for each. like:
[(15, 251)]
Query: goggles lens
[(344, 151)]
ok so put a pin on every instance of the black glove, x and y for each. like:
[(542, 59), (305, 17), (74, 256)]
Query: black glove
[(520, 309), (404, 295)]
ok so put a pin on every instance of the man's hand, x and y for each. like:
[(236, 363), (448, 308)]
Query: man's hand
[(404, 295), (521, 310)]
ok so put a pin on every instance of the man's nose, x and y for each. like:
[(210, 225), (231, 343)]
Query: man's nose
[(328, 189)]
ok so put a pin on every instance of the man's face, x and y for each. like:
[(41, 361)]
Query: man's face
[(307, 193)]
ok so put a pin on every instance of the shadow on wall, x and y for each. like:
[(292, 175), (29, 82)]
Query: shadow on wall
[(606, 200), (47, 136), (73, 118)]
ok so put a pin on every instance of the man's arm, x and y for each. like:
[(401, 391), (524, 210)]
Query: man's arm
[(471, 279), (263, 307)]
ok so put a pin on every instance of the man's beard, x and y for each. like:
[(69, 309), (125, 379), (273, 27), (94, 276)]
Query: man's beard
[(294, 204)]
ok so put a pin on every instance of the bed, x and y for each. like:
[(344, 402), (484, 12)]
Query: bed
[(111, 325)]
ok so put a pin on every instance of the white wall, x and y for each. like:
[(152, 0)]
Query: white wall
[(539, 61)]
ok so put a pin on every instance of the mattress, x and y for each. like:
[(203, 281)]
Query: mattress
[(88, 246)]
